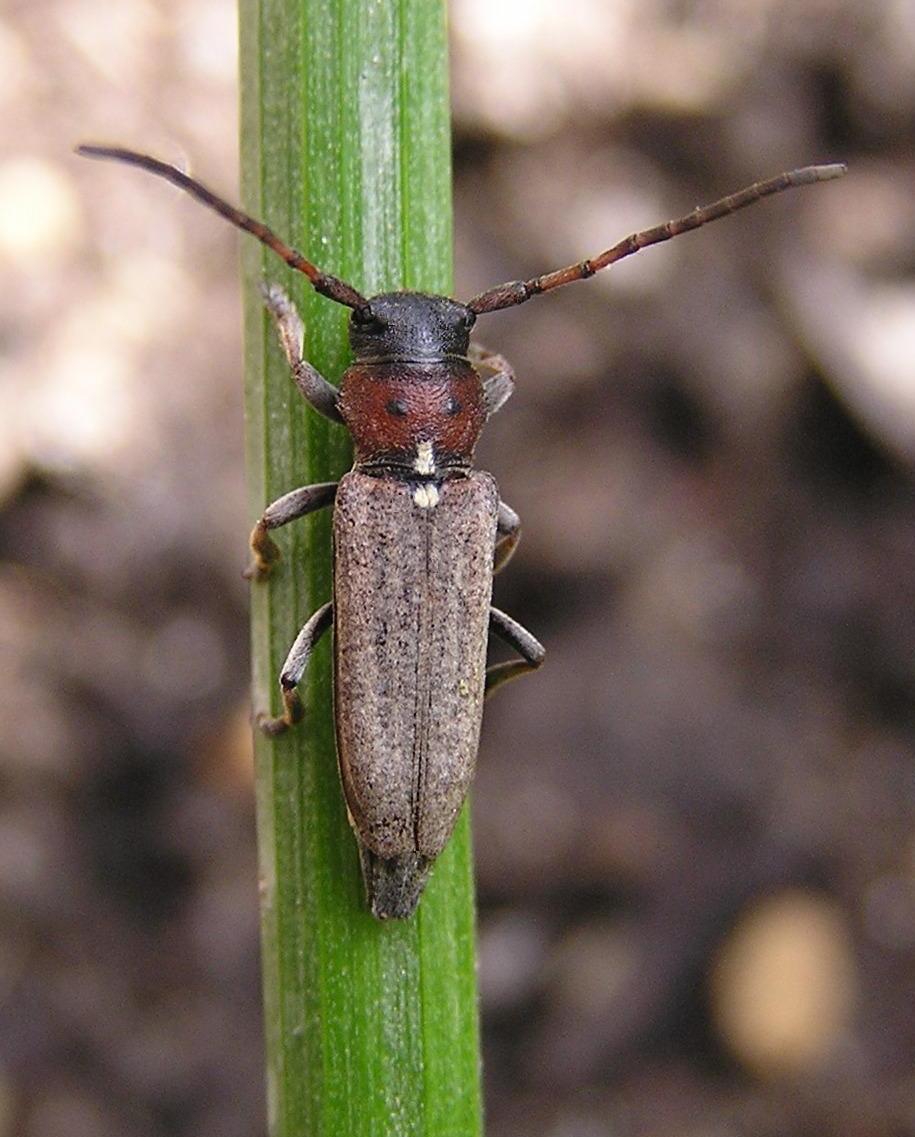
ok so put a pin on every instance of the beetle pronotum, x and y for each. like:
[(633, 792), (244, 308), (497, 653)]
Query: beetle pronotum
[(418, 535)]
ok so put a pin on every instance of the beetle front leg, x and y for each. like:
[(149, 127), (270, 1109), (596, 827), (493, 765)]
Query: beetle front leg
[(294, 669), (321, 394), (287, 508), (530, 649), (496, 374)]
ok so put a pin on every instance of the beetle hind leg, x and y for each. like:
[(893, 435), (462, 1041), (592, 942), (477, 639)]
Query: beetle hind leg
[(530, 649), (294, 669)]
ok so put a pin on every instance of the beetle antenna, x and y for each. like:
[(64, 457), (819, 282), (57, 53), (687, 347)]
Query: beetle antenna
[(517, 291), (327, 285)]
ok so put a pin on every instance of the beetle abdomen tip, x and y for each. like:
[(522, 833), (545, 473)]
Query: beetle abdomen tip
[(393, 886)]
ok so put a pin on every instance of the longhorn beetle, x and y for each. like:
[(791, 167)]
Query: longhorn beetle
[(418, 535)]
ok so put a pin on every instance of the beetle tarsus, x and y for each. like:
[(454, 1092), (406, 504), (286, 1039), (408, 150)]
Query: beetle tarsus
[(293, 712), (265, 553)]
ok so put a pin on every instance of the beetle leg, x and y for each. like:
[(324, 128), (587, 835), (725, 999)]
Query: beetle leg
[(496, 374), (532, 652), (294, 669), (321, 394), (287, 508), (508, 534)]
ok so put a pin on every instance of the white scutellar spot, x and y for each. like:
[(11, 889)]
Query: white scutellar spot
[(426, 495)]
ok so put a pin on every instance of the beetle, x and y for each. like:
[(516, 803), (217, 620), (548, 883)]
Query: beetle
[(418, 535)]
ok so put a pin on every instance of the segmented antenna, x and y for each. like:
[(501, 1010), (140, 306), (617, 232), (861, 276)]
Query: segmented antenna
[(330, 286), (517, 291)]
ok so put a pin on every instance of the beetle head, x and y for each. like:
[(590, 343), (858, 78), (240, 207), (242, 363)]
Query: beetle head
[(410, 325)]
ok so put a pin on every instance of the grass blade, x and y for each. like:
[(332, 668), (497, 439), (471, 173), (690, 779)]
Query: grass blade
[(371, 1029)]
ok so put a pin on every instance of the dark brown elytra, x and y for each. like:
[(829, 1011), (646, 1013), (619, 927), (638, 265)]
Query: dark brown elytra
[(418, 535)]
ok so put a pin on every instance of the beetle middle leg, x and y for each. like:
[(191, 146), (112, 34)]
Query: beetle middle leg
[(508, 534), (496, 374), (530, 649), (294, 669), (296, 503)]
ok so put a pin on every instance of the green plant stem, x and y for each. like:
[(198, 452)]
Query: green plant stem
[(371, 1028)]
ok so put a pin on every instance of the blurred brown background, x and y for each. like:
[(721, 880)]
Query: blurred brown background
[(694, 827)]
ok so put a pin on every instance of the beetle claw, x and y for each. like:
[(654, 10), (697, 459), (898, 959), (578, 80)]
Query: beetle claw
[(257, 571), (269, 725)]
